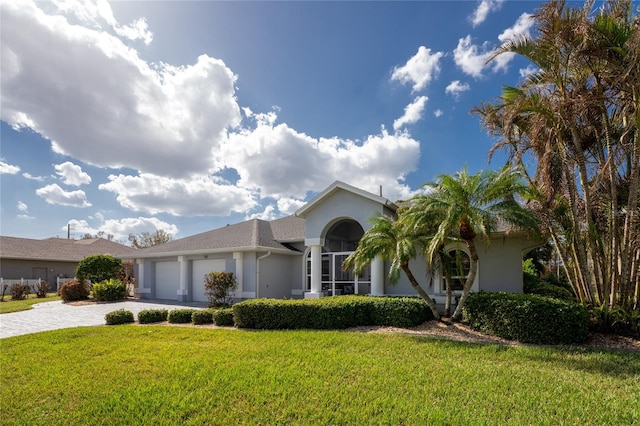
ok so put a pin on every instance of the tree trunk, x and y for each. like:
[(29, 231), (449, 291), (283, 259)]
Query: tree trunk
[(416, 286), (468, 283)]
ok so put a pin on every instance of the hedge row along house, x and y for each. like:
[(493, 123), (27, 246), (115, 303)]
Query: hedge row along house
[(300, 256)]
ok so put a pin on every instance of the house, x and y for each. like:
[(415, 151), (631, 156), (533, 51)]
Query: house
[(51, 258), (301, 256)]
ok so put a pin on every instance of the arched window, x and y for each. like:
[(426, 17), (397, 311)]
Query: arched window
[(457, 263)]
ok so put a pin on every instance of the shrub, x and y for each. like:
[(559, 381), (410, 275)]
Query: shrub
[(330, 313), (526, 318), (202, 317), (109, 290), (148, 316), (180, 316), (546, 289), (98, 267), (19, 291), (615, 320), (218, 287), (223, 317), (40, 289), (74, 290), (119, 317)]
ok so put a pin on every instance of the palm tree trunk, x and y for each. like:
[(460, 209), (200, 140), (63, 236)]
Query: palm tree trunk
[(416, 286), (468, 283)]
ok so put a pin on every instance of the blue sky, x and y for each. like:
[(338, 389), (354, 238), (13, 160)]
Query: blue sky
[(127, 117)]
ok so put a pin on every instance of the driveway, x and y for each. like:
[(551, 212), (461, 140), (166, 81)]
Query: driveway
[(56, 315)]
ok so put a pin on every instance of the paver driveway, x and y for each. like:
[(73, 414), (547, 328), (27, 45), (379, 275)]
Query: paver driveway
[(55, 315)]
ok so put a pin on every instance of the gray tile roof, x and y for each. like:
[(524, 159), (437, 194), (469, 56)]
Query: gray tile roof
[(59, 249), (254, 234)]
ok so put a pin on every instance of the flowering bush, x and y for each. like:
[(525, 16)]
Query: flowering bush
[(218, 287)]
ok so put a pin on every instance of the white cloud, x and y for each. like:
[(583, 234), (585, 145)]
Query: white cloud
[(72, 174), (438, 113), (53, 194), (521, 28), (120, 228), (8, 169), (98, 12), (412, 112), (529, 70), (102, 104), (471, 58), (197, 196), (419, 69), (262, 157), (289, 206), (456, 87), (483, 10), (31, 177), (269, 213), (22, 207)]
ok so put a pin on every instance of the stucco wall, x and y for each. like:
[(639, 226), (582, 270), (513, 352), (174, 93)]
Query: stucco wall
[(340, 205), (27, 269)]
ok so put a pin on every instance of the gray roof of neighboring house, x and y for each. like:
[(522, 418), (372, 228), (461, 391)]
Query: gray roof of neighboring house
[(59, 249), (254, 234)]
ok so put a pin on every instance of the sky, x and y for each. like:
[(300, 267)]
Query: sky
[(127, 117)]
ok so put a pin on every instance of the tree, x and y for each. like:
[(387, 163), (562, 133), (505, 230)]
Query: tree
[(99, 234), (147, 239), (468, 207), (578, 117), (98, 267), (389, 238)]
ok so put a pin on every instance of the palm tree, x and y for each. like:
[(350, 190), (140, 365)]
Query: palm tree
[(469, 207), (390, 239)]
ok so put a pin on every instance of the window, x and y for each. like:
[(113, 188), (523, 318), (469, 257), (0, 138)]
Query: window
[(458, 264)]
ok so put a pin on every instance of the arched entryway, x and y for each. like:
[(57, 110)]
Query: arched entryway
[(340, 240)]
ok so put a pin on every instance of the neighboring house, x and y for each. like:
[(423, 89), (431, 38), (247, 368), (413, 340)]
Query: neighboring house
[(301, 256), (53, 257)]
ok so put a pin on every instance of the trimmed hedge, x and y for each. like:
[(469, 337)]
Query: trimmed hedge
[(527, 318), (180, 316), (109, 290), (119, 317), (202, 317), (331, 312), (223, 317), (74, 290), (149, 316)]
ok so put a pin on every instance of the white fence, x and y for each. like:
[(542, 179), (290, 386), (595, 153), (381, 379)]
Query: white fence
[(34, 281)]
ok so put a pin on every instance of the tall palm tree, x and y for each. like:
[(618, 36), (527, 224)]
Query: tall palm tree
[(470, 207), (391, 240)]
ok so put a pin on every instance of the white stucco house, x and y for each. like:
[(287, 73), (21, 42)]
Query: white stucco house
[(300, 256)]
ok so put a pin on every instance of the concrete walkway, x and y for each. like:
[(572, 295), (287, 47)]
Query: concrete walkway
[(56, 315)]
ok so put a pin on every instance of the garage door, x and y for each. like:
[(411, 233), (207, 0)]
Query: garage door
[(167, 280), (200, 269)]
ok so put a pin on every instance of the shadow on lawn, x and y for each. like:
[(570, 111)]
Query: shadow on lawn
[(609, 362)]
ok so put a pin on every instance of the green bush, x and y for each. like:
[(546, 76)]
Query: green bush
[(119, 317), (74, 290), (202, 317), (98, 267), (149, 316), (526, 318), (109, 290), (546, 289), (180, 316), (330, 313), (223, 317), (615, 320)]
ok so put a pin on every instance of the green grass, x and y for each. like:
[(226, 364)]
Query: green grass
[(9, 305), (172, 375)]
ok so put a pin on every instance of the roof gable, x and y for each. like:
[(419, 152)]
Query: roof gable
[(341, 186)]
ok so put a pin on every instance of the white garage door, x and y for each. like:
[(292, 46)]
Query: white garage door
[(200, 269), (167, 280)]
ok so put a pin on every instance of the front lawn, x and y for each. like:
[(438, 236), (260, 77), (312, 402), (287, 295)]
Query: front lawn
[(8, 305), (173, 375)]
